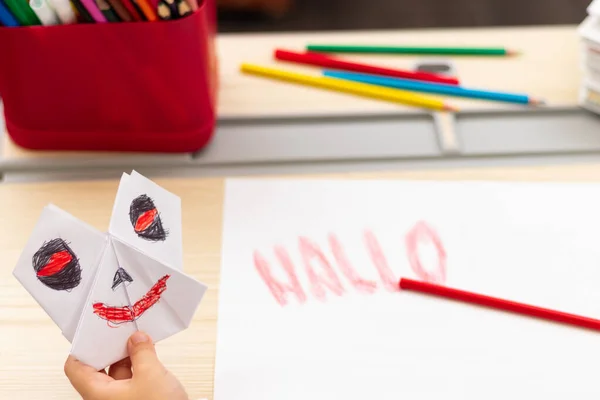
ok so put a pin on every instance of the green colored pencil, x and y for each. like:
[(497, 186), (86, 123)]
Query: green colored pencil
[(446, 51), (22, 11)]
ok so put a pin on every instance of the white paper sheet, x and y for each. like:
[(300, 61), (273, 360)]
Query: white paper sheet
[(100, 288), (350, 335)]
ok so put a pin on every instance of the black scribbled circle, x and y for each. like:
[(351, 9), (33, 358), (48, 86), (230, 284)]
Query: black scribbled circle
[(145, 219), (57, 266)]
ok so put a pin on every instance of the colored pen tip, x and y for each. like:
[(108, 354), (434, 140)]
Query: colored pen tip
[(513, 53), (537, 102), (447, 107)]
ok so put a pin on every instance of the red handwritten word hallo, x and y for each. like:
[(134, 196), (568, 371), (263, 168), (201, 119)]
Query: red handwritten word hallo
[(324, 275)]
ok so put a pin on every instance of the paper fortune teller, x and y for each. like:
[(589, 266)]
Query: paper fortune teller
[(99, 288)]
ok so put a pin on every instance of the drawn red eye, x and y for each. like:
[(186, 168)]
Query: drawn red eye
[(145, 220), (55, 264)]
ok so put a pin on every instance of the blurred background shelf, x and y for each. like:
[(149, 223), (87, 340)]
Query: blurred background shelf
[(310, 15)]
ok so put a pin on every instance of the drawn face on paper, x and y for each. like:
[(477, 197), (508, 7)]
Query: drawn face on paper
[(117, 315), (57, 266), (145, 219)]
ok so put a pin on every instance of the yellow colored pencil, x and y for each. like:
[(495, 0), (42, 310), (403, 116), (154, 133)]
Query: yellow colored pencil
[(340, 85)]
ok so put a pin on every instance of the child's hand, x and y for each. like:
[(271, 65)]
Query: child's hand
[(149, 381)]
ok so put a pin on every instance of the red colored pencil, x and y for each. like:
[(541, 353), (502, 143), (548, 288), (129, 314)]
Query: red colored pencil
[(322, 60), (494, 302)]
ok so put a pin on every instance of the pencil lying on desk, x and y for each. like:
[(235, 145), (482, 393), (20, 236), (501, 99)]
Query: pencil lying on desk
[(450, 90), (322, 60), (501, 304), (412, 50), (339, 85)]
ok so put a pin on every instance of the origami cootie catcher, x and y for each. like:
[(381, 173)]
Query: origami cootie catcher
[(99, 288)]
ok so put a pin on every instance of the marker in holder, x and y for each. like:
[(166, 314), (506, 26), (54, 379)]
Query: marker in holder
[(139, 86)]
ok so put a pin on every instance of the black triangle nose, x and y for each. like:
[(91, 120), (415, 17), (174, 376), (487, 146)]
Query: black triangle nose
[(121, 276)]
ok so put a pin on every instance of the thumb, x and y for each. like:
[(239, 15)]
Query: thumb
[(142, 353)]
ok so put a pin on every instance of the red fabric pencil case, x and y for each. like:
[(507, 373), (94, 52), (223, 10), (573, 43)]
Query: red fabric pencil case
[(140, 86)]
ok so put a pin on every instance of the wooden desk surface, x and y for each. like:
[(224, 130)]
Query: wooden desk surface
[(32, 349), (548, 68)]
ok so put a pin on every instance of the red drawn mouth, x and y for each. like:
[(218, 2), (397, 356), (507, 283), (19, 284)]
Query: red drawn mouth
[(119, 315), (56, 263), (145, 220)]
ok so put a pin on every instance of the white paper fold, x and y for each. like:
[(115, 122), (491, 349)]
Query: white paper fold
[(330, 249), (100, 288)]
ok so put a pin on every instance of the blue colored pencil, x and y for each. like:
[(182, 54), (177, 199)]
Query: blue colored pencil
[(6, 18), (437, 88)]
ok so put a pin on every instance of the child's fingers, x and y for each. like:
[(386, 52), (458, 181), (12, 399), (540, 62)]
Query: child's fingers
[(121, 370), (86, 380), (143, 355)]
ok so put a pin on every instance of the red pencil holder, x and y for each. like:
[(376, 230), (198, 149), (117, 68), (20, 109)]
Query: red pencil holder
[(139, 86)]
